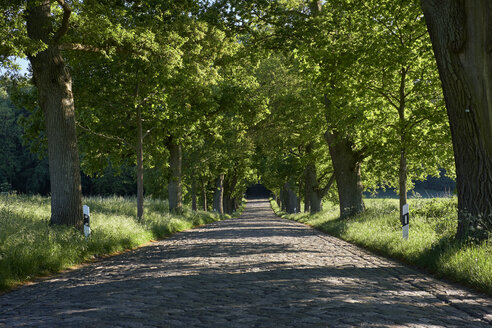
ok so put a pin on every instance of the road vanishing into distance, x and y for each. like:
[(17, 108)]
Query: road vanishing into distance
[(255, 271)]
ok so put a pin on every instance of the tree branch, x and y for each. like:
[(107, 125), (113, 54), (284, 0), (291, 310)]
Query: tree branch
[(94, 49), (64, 26), (78, 47), (415, 123), (105, 136), (388, 28), (325, 190), (362, 153), (320, 178), (148, 131), (294, 153), (385, 95), (400, 34)]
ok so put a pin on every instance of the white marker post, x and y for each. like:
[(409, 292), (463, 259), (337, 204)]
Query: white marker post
[(405, 220), (87, 221)]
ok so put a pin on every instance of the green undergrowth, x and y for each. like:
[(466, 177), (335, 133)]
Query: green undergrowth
[(431, 245), (30, 247)]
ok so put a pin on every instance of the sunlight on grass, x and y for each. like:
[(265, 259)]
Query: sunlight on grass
[(30, 247), (431, 245)]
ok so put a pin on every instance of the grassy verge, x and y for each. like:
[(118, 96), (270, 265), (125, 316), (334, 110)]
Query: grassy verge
[(431, 245), (30, 247)]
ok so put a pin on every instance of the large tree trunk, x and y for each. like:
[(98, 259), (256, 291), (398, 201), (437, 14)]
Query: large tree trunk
[(346, 165), (229, 200), (300, 190), (284, 195), (461, 37), (315, 6), (402, 171), (194, 206), (174, 186), (229, 204), (140, 186), (54, 87), (315, 193), (293, 201), (403, 179), (308, 187), (204, 196), (312, 196), (282, 199), (290, 199), (219, 195), (315, 203), (279, 200)]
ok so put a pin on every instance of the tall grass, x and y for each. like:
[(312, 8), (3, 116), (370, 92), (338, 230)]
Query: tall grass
[(30, 247), (431, 244)]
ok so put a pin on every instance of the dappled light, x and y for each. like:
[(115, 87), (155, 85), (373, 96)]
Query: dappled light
[(257, 270), (133, 134)]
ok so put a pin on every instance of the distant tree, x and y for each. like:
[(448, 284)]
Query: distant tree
[(20, 170), (290, 136), (111, 181)]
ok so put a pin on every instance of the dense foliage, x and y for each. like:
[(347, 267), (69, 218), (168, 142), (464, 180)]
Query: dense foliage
[(20, 170), (194, 100)]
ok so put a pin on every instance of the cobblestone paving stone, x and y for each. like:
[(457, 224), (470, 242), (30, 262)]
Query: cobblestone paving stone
[(255, 271)]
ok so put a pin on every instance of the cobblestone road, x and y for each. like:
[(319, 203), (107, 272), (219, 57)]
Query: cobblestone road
[(256, 271)]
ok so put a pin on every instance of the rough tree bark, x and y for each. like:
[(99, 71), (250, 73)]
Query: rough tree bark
[(300, 189), (279, 199), (140, 187), (54, 86), (229, 200), (461, 34), (402, 171), (204, 196), (283, 200), (289, 199), (346, 165), (314, 192), (308, 186), (174, 186), (309, 179), (219, 195), (314, 203), (229, 204), (194, 206)]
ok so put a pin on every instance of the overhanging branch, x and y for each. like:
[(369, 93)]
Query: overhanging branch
[(387, 96), (105, 136), (78, 47), (325, 190), (148, 131), (66, 18)]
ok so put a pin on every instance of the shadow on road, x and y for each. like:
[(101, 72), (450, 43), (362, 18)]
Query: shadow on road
[(256, 271)]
